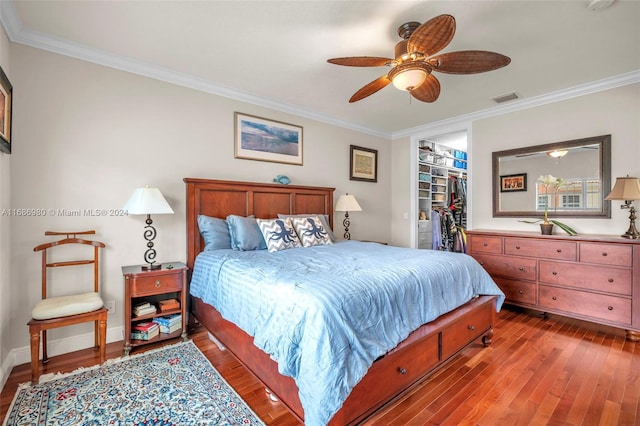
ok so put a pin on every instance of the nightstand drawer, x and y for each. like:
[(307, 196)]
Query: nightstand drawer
[(142, 286)]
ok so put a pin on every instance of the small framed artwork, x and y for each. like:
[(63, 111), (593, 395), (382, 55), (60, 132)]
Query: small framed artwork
[(6, 98), (261, 139), (513, 183), (364, 164)]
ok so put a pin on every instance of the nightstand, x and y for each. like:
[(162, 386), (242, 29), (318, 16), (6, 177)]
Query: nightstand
[(153, 286)]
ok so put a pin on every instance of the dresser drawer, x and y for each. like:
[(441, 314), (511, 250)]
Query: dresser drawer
[(589, 277), (471, 326), (482, 244), (606, 254), (508, 266), (561, 250), (518, 291), (599, 306), (149, 285)]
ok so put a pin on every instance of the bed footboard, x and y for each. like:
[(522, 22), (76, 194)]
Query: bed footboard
[(419, 355)]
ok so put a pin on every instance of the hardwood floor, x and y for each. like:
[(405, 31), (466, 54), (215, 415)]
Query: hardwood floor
[(538, 371)]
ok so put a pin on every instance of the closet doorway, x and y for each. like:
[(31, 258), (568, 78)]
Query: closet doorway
[(442, 191)]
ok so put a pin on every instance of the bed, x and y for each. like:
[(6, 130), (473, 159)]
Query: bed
[(370, 363)]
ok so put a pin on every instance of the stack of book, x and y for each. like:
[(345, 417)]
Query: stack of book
[(145, 331), (169, 323), (144, 308), (168, 305)]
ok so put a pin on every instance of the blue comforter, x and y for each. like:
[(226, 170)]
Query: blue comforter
[(325, 313)]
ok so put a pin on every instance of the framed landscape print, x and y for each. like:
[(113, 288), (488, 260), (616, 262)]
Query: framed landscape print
[(364, 164), (6, 98), (513, 183), (261, 139)]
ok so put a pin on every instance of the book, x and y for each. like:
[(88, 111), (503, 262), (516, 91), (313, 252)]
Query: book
[(141, 335), (171, 328), (168, 319), (144, 310), (145, 326)]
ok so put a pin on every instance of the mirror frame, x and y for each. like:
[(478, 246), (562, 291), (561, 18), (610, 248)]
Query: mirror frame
[(604, 143)]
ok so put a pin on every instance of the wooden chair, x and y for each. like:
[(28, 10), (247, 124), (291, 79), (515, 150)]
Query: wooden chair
[(54, 312)]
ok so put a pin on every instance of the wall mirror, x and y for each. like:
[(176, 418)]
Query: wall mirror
[(584, 169)]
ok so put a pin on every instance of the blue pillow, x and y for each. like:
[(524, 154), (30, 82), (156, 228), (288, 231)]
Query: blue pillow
[(245, 233), (215, 233)]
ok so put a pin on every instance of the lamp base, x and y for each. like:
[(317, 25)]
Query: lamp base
[(632, 233), (151, 267)]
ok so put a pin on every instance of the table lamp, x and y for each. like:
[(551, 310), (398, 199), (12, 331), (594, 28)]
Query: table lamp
[(628, 190), (347, 203), (148, 201)]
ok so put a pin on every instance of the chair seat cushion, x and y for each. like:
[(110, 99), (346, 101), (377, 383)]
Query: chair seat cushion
[(64, 306)]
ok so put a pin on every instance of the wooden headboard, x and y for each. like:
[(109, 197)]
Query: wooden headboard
[(219, 198)]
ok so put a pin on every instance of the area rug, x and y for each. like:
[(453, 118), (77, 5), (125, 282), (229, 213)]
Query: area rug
[(173, 385)]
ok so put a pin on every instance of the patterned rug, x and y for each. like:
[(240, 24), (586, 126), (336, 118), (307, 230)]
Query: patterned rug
[(173, 385)]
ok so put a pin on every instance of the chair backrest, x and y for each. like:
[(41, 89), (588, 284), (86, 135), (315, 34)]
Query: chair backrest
[(70, 238)]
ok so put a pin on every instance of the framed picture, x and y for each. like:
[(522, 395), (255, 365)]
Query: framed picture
[(364, 164), (267, 140), (6, 98), (513, 183)]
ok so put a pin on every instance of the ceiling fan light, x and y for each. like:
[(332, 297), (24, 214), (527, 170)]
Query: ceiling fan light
[(409, 79), (557, 153)]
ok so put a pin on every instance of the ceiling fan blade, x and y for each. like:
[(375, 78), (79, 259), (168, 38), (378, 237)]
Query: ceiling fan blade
[(432, 36), (360, 61), (427, 91), (468, 62), (370, 88)]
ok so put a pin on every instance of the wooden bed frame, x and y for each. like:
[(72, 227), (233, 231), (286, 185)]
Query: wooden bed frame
[(420, 354)]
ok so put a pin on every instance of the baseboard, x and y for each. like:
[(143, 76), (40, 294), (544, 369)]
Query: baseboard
[(18, 356)]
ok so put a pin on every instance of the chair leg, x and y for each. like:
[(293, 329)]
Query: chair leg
[(96, 336), (35, 355), (103, 340), (45, 357)]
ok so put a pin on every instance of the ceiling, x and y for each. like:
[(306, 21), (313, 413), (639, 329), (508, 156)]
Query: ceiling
[(274, 53)]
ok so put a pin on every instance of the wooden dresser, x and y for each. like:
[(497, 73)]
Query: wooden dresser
[(590, 277)]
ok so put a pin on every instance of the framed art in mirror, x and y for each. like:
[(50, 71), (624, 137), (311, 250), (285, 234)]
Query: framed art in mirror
[(581, 172)]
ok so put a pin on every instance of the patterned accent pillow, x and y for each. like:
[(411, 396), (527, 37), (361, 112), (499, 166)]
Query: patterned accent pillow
[(278, 234), (311, 231)]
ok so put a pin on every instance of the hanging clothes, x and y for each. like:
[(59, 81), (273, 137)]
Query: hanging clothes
[(436, 235)]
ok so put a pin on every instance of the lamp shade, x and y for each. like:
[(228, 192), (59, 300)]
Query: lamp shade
[(347, 203), (147, 201), (626, 188)]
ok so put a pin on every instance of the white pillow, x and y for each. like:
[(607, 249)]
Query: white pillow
[(278, 234), (311, 231)]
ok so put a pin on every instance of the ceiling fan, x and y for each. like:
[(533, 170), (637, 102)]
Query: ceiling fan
[(415, 61)]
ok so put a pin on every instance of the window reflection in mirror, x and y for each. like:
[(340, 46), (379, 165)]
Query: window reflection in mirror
[(569, 178)]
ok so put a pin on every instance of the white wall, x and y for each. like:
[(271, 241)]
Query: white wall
[(5, 237), (86, 136), (615, 111)]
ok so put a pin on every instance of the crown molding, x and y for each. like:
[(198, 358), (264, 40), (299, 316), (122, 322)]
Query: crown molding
[(18, 34)]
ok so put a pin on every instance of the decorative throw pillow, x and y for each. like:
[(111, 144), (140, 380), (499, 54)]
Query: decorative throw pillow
[(324, 219), (245, 234), (311, 231), (278, 234), (215, 232)]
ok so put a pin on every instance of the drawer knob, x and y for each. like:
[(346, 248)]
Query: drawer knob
[(604, 254), (520, 292), (157, 283), (610, 280), (610, 308), (554, 298), (471, 328), (559, 250), (521, 269), (554, 273), (402, 370), (517, 247), (485, 244)]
